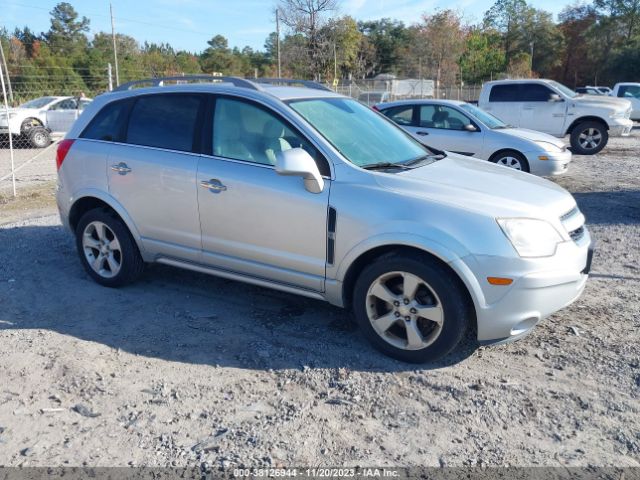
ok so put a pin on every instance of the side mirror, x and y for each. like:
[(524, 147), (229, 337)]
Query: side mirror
[(298, 163), (554, 97), (469, 127)]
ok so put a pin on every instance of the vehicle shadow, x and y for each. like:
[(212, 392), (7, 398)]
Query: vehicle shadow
[(177, 315), (609, 208)]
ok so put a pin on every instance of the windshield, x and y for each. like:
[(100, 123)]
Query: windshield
[(363, 136), (565, 90), (486, 118), (38, 102)]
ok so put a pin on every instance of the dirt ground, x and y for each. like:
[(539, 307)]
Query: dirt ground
[(185, 369)]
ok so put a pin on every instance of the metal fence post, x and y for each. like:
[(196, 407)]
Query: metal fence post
[(6, 112)]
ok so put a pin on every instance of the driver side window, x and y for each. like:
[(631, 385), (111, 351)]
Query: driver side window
[(442, 117), (246, 132)]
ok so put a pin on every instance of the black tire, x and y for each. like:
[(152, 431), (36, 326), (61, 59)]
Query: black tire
[(499, 156), (131, 263), (448, 291), (580, 146), (39, 137)]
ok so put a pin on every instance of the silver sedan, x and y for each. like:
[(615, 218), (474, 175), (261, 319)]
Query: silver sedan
[(463, 128)]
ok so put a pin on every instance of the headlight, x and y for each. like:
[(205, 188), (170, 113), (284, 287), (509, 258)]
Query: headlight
[(531, 237), (549, 147)]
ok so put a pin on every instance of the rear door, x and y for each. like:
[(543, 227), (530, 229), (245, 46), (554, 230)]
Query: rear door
[(445, 126), (539, 112), (254, 221), (152, 172), (504, 103)]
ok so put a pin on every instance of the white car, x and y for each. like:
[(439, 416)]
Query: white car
[(53, 113), (550, 107), (629, 91), (463, 128)]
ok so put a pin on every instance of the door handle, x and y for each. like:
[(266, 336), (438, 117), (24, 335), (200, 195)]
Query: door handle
[(527, 108), (214, 185), (422, 133), (121, 168)]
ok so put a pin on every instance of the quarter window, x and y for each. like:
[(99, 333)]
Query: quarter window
[(243, 131), (164, 121)]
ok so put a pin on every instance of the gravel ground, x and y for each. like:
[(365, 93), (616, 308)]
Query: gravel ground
[(185, 369)]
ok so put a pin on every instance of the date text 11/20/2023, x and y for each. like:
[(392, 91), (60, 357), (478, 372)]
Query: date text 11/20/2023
[(316, 472)]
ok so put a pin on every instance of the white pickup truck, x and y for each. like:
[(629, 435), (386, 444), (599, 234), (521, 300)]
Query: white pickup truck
[(550, 107), (629, 91)]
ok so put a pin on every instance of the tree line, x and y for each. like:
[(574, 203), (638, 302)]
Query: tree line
[(596, 43)]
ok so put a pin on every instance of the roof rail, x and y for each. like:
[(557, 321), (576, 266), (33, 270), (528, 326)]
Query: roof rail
[(291, 81), (159, 82)]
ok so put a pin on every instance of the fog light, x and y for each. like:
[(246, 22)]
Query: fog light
[(543, 157)]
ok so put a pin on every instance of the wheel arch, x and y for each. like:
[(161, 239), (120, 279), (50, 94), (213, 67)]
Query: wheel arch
[(33, 118), (504, 150), (454, 267), (92, 200), (588, 118)]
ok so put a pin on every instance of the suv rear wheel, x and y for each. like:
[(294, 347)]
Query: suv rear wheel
[(588, 138), (410, 308), (107, 250)]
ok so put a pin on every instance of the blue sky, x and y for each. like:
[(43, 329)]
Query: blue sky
[(188, 24)]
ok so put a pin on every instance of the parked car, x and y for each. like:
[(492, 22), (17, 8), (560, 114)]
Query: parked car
[(552, 108), (312, 193), (465, 129), (590, 91), (373, 98), (34, 119), (629, 91)]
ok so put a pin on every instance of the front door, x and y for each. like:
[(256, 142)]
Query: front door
[(152, 173), (539, 111), (254, 221), (62, 114)]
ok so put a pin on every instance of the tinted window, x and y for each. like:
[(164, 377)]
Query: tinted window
[(107, 124), (243, 131), (68, 104), (164, 121), (401, 115), (426, 115), (629, 91), (534, 92), (504, 93)]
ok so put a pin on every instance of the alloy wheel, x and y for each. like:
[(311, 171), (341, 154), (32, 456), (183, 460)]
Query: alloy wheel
[(404, 310), (590, 138), (102, 249)]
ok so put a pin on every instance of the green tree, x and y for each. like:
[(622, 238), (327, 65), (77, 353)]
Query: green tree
[(483, 57), (389, 38), (67, 34)]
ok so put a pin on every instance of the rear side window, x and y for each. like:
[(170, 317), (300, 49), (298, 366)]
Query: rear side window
[(629, 91), (107, 124), (504, 93), (534, 92), (401, 115), (164, 121)]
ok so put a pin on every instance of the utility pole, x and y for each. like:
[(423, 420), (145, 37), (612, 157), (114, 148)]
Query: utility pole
[(278, 42), (531, 45), (110, 77), (115, 50)]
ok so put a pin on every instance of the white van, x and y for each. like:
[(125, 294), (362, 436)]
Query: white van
[(550, 107)]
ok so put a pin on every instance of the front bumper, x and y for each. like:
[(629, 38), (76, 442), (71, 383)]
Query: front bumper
[(557, 163), (543, 287), (620, 127)]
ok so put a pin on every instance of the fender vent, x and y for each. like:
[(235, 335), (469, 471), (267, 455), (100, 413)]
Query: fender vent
[(331, 235)]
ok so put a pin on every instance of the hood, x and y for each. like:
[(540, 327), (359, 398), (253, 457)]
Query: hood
[(601, 101), (483, 187), (532, 135)]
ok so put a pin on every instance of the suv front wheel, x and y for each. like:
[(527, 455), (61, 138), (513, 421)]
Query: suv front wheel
[(107, 250), (410, 308), (588, 138)]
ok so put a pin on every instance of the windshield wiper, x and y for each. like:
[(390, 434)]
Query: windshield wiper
[(384, 166)]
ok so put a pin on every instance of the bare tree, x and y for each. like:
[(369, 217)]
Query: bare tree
[(307, 17)]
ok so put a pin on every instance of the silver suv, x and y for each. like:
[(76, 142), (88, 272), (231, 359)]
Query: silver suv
[(309, 192)]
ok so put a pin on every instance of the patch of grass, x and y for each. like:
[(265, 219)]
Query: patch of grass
[(31, 201)]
